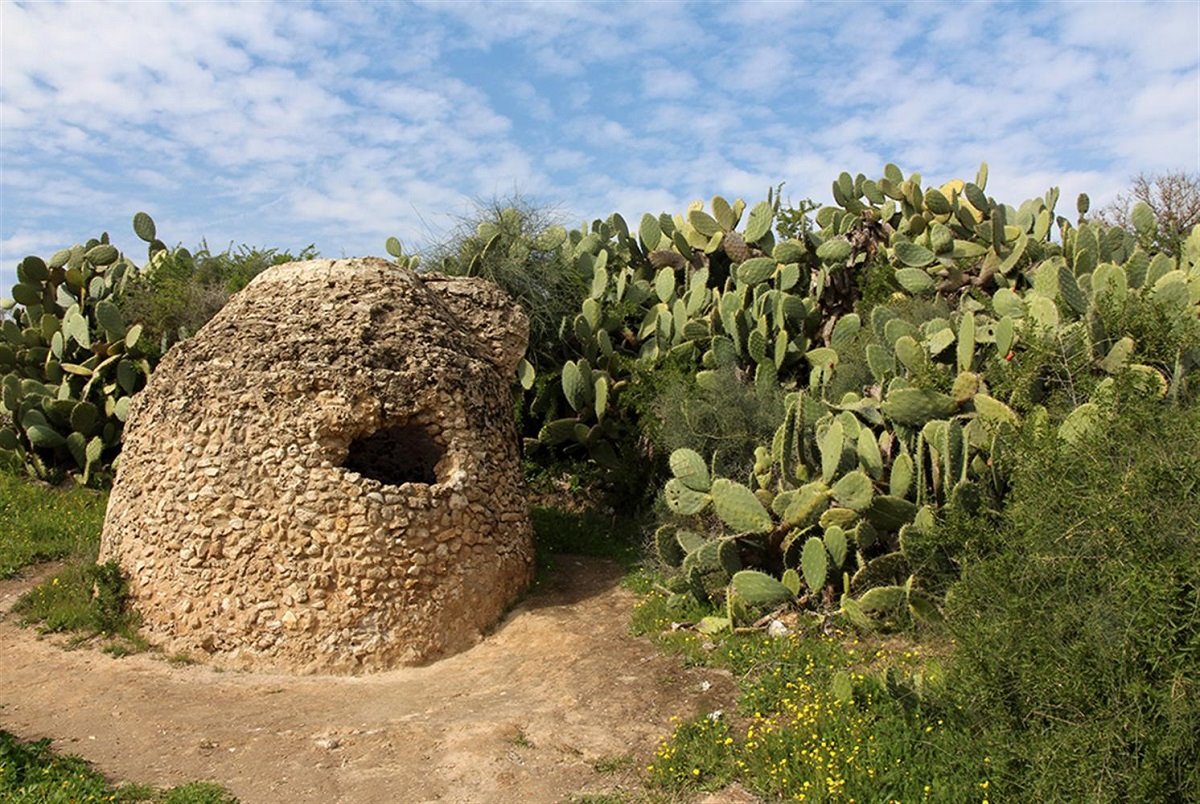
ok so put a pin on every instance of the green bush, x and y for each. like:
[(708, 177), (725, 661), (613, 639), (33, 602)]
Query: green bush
[(1079, 637), (1162, 334), (519, 246), (725, 420), (1057, 369)]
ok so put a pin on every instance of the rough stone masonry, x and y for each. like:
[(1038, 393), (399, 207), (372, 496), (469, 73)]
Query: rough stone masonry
[(326, 477)]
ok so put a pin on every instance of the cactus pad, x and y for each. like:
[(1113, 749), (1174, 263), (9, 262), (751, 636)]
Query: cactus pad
[(915, 406), (889, 513), (759, 589), (683, 500), (854, 490), (882, 599), (814, 563), (689, 467), (739, 508)]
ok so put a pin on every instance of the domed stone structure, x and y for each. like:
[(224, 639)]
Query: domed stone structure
[(326, 477)]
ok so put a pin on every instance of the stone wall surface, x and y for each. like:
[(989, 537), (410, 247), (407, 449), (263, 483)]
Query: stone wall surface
[(326, 477)]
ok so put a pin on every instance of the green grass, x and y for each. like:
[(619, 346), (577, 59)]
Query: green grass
[(31, 773), (796, 733), (43, 523), (87, 600)]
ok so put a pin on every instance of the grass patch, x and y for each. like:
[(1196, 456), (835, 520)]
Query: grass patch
[(31, 773), (39, 522), (87, 600), (818, 720), (521, 740), (614, 764), (181, 660)]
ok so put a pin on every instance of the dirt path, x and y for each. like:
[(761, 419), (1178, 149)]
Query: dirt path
[(525, 716)]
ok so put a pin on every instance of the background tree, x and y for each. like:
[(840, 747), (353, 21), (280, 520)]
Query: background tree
[(1173, 197)]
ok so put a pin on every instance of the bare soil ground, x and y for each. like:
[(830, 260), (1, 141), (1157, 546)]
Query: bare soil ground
[(558, 701)]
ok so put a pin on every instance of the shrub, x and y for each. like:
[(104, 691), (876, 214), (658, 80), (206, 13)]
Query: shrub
[(519, 246), (1079, 637), (725, 420)]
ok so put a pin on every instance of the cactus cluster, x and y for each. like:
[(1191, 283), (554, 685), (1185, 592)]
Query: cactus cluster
[(70, 363), (855, 477), (705, 289)]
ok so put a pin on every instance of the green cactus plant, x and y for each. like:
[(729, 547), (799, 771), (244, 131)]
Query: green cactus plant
[(738, 508), (71, 361), (850, 461)]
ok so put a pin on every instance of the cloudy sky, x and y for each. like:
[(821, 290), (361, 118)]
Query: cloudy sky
[(283, 124)]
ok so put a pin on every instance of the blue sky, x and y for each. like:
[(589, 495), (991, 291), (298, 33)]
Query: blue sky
[(283, 124)]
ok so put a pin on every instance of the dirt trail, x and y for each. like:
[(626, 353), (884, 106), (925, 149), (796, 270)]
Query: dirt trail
[(524, 716)]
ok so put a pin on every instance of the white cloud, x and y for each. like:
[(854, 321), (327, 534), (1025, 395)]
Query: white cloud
[(767, 16), (668, 82), (756, 70), (1159, 36), (566, 159), (634, 201), (533, 102), (33, 242), (282, 124)]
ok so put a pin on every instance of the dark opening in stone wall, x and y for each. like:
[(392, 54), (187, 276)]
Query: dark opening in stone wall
[(395, 455)]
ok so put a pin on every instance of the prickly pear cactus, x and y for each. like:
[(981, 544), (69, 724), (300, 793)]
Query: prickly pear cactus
[(70, 362)]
